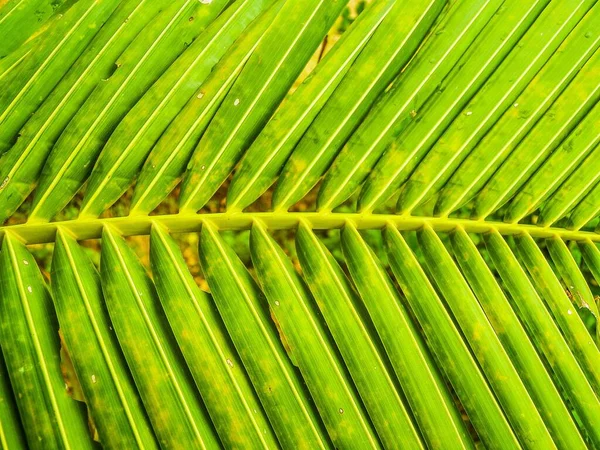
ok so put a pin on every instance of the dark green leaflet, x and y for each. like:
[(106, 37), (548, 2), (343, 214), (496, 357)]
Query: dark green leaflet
[(269, 151), (108, 388), (22, 165), (580, 143), (514, 338), (246, 316), (430, 400), (573, 280), (159, 370), (213, 361), (450, 350), (572, 190), (140, 65), (30, 344), (481, 337), (498, 94), (129, 145), (550, 290), (309, 345), (384, 56), (483, 57), (51, 57), (562, 117), (11, 430), (168, 159), (21, 19), (270, 71), (362, 354), (395, 108), (546, 336), (531, 105)]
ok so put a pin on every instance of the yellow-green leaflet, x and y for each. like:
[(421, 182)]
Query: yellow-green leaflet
[(245, 313), (129, 145), (280, 56), (519, 119), (19, 20), (140, 65), (102, 372), (11, 430), (27, 86), (500, 93), (514, 338), (395, 108), (168, 159), (495, 364), (22, 165), (360, 348), (586, 210), (165, 385), (545, 334), (591, 255), (452, 353), (572, 190), (310, 346), (269, 151), (566, 112), (573, 280), (387, 52), (425, 390), (213, 361), (487, 53), (555, 297), (559, 165), (30, 342)]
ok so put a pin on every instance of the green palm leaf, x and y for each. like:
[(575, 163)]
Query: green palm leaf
[(386, 233)]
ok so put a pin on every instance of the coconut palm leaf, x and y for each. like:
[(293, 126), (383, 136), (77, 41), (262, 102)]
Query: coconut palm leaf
[(439, 290)]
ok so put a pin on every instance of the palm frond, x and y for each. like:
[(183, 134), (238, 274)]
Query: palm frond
[(397, 227)]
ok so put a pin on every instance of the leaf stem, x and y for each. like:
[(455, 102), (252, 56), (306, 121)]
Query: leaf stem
[(83, 229)]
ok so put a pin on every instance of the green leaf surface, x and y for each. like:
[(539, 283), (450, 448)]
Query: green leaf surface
[(561, 163), (169, 157), (161, 376), (22, 165), (11, 430), (572, 190), (500, 92), (341, 309), (269, 151), (395, 108), (482, 58), (21, 19), (586, 210), (384, 56), (129, 145), (493, 359), (555, 297), (213, 361), (564, 114), (526, 110), (516, 342), (546, 336), (245, 313), (445, 341), (144, 61), (102, 372), (272, 68), (35, 78), (30, 344), (423, 385), (310, 346), (572, 278)]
